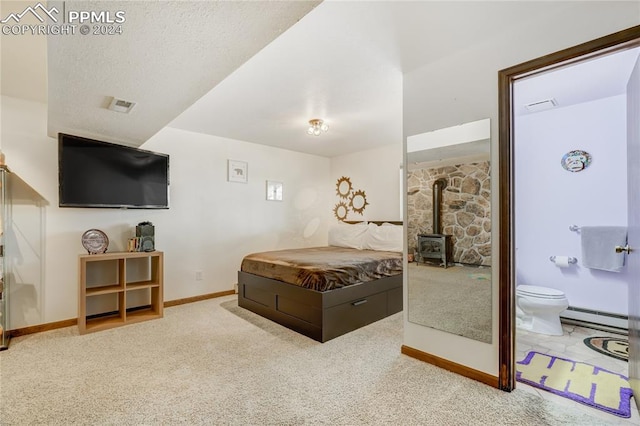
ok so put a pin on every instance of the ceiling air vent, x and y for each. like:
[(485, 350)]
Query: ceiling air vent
[(120, 105), (541, 105)]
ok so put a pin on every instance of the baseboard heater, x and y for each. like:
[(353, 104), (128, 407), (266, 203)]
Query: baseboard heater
[(606, 321)]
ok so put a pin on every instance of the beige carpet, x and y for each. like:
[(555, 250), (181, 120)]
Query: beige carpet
[(456, 299), (213, 363)]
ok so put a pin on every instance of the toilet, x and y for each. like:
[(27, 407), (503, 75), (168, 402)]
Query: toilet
[(538, 309)]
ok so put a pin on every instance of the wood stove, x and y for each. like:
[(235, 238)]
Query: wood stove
[(435, 246)]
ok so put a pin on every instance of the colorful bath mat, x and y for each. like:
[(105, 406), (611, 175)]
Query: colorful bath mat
[(579, 381), (615, 347)]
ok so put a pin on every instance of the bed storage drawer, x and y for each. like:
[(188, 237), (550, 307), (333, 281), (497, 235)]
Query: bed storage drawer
[(299, 310), (258, 295), (320, 315), (357, 313)]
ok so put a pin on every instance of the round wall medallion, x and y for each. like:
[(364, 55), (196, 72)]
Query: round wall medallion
[(340, 211), (576, 160), (343, 187), (358, 201), (95, 241)]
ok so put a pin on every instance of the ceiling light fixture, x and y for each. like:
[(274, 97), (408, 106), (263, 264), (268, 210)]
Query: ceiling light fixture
[(316, 127)]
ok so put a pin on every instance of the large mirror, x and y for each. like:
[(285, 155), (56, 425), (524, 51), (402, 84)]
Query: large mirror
[(449, 230)]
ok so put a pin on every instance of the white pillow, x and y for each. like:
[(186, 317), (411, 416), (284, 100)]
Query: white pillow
[(384, 238), (351, 236)]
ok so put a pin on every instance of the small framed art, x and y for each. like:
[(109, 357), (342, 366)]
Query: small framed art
[(274, 190), (237, 171)]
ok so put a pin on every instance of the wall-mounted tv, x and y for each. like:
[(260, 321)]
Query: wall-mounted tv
[(92, 173)]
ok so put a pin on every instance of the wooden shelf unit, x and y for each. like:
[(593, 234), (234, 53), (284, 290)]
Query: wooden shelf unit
[(120, 290)]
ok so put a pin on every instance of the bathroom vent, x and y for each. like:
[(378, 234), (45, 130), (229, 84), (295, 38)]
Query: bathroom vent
[(120, 105), (541, 105)]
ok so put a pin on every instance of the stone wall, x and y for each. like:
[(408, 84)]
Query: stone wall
[(465, 212)]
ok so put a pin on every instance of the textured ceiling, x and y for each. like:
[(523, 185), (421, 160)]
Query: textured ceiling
[(259, 70), (344, 62), (323, 68), (168, 55)]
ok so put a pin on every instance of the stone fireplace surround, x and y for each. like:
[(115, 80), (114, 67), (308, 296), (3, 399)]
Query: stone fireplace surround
[(466, 209)]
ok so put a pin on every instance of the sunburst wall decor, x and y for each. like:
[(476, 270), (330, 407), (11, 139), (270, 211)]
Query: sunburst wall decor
[(348, 199)]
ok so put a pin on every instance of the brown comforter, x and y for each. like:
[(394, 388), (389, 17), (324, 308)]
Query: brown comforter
[(323, 268)]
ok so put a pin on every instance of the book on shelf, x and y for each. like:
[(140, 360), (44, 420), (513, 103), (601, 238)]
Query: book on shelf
[(134, 244)]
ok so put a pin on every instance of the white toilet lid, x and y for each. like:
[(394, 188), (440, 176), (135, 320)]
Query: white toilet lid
[(540, 292)]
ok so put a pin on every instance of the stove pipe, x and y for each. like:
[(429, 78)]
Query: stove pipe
[(437, 188)]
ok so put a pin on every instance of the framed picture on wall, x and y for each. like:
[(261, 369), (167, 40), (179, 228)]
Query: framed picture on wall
[(237, 171), (274, 190)]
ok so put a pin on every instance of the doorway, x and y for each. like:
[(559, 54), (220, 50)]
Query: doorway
[(507, 272)]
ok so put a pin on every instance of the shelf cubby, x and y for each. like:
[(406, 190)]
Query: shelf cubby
[(115, 281)]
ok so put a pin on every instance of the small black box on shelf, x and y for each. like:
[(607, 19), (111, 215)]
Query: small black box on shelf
[(145, 231)]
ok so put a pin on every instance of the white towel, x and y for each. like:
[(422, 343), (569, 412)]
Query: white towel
[(598, 247)]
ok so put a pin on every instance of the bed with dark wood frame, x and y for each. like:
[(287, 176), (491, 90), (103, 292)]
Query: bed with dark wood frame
[(321, 315)]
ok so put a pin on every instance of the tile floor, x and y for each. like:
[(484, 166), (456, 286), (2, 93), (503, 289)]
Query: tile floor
[(571, 346)]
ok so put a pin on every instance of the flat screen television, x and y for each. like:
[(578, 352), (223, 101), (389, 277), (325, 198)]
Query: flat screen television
[(92, 173)]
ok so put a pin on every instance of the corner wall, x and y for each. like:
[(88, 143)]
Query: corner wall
[(377, 172)]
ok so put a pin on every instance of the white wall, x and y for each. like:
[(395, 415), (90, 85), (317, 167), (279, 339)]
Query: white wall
[(463, 87), (377, 172), (211, 224), (550, 199)]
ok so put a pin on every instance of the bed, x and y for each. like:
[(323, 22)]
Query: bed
[(325, 292)]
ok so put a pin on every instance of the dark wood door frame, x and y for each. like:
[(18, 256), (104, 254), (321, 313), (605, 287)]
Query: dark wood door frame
[(615, 42)]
